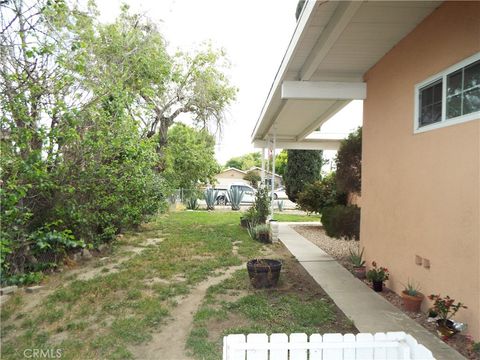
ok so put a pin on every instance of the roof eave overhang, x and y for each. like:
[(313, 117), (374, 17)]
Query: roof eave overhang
[(302, 93)]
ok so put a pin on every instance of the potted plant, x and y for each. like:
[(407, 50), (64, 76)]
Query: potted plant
[(445, 308), (377, 276), (264, 273), (356, 258), (412, 297)]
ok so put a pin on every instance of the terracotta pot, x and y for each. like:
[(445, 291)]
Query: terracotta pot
[(445, 328), (377, 286), (359, 272), (412, 303)]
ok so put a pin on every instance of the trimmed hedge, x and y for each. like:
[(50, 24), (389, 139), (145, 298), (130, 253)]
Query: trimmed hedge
[(342, 221)]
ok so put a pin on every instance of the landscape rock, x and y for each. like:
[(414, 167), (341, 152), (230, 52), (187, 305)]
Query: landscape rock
[(3, 299), (102, 248), (86, 254), (33, 289), (8, 290)]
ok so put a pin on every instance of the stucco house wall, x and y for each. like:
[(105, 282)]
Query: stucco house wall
[(421, 192)]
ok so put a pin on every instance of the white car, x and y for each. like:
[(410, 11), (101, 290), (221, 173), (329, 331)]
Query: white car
[(248, 193), (280, 193)]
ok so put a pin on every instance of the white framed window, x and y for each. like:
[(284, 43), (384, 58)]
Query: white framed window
[(450, 97)]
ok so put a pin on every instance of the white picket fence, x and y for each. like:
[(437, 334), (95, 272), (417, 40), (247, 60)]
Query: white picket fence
[(384, 346)]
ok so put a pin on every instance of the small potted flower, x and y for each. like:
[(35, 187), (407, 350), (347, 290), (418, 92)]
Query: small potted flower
[(377, 276), (356, 258), (445, 308), (412, 297)]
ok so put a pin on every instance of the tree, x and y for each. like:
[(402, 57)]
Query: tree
[(190, 156), (349, 163), (245, 162), (281, 162), (253, 177), (131, 52), (303, 167)]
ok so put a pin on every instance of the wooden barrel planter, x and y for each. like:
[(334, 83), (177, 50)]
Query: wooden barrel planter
[(264, 273)]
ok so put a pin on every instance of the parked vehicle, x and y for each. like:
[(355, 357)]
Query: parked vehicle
[(280, 193), (248, 193)]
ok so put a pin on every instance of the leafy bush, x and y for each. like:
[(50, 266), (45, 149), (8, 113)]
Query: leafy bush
[(321, 194), (342, 221), (28, 278)]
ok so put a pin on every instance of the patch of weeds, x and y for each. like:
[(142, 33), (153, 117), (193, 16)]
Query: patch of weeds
[(200, 347), (10, 307), (5, 330), (130, 330), (169, 291), (208, 313), (134, 294), (77, 326), (50, 314), (110, 347)]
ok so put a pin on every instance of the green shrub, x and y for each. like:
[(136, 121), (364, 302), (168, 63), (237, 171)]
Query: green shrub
[(342, 221), (321, 194)]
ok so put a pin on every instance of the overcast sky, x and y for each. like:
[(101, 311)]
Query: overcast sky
[(255, 35)]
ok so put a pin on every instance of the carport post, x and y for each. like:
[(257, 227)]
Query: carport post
[(262, 184), (273, 170)]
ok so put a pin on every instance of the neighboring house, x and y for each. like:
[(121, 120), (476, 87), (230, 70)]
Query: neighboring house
[(230, 176), (416, 65)]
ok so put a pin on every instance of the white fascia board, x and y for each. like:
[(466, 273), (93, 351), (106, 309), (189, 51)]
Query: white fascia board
[(304, 19), (319, 90), (301, 145)]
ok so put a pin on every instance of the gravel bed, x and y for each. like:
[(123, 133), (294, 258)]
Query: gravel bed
[(340, 251)]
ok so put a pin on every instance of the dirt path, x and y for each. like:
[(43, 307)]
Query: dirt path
[(170, 342)]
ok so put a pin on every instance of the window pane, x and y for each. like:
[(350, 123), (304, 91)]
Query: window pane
[(426, 96), (437, 92), (472, 75), (471, 101), (430, 104), (454, 83), (437, 112), (454, 106)]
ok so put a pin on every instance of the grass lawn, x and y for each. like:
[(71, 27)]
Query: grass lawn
[(297, 304), (283, 216), (132, 292)]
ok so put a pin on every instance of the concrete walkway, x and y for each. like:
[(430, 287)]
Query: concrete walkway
[(369, 311)]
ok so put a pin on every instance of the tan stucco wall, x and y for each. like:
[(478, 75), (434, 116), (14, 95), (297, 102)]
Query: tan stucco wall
[(421, 192)]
